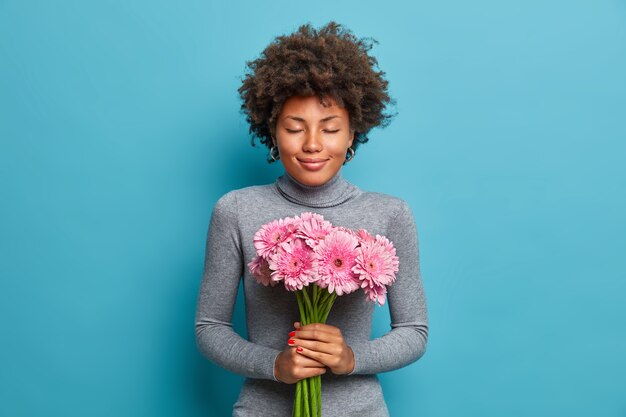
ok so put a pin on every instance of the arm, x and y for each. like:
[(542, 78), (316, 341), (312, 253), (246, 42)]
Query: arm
[(406, 342), (223, 268)]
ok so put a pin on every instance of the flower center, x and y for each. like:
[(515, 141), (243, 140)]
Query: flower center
[(338, 263)]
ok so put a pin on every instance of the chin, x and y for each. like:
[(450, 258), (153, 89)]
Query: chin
[(311, 181), (315, 179)]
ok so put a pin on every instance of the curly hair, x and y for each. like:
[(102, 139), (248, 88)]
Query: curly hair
[(329, 62)]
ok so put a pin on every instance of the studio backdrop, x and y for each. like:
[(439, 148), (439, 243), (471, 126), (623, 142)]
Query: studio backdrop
[(120, 127)]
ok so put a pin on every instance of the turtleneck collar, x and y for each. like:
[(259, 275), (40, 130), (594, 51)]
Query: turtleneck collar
[(332, 193)]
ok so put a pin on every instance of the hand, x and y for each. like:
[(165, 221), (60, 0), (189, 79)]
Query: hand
[(290, 367), (325, 344)]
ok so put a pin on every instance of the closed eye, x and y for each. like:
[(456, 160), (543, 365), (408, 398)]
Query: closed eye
[(293, 131), (331, 131)]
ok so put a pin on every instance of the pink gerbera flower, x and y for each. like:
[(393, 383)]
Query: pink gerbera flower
[(376, 263), (336, 256), (364, 236), (260, 269), (312, 228), (346, 230), (271, 235), (376, 293), (295, 263), (382, 240)]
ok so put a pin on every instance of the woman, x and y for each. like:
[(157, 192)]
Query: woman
[(311, 98)]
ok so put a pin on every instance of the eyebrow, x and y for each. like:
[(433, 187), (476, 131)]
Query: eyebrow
[(300, 119)]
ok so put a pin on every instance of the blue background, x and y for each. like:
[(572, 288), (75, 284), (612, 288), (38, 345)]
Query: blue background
[(120, 128)]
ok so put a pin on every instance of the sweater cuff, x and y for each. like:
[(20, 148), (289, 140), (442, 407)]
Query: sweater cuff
[(363, 357), (274, 366), (262, 363), (354, 357)]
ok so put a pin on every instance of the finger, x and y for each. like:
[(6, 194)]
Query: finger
[(316, 345), (310, 372), (323, 358), (306, 362), (327, 328), (316, 334)]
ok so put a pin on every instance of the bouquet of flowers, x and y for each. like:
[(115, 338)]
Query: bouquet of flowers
[(319, 261)]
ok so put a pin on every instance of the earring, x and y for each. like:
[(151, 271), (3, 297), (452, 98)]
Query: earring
[(277, 157), (350, 155)]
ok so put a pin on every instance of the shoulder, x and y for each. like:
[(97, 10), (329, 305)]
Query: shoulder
[(382, 202), (397, 215), (229, 201), (226, 211)]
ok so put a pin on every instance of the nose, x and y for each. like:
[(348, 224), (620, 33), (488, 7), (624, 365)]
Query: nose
[(312, 143)]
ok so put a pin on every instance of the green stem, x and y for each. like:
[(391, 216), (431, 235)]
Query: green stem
[(318, 397), (318, 381), (298, 405), (324, 297), (313, 389), (298, 401), (328, 307), (307, 300), (306, 398), (301, 307), (313, 395), (315, 294), (315, 317), (313, 308)]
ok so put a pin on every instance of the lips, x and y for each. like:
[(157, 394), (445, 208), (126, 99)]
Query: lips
[(313, 164)]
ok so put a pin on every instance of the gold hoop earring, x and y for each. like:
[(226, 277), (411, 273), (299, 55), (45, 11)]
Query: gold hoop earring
[(350, 155), (277, 157)]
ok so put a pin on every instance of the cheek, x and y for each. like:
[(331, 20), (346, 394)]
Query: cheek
[(286, 146), (338, 147)]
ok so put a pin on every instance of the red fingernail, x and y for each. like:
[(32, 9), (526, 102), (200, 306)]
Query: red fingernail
[(299, 349), (292, 334), (291, 341)]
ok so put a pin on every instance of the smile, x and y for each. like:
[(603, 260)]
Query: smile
[(313, 165)]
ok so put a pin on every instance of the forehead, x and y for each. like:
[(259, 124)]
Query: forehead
[(309, 107)]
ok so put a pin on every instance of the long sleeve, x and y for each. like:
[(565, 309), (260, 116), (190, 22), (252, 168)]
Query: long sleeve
[(406, 341), (223, 268)]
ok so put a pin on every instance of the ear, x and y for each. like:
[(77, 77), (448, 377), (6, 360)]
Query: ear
[(351, 138)]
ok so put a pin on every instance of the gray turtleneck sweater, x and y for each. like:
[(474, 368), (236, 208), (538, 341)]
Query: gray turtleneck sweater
[(271, 311)]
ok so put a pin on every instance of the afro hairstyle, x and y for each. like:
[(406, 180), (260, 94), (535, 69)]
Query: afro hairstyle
[(329, 62)]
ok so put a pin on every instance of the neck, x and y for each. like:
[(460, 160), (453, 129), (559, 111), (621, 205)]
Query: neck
[(332, 193)]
